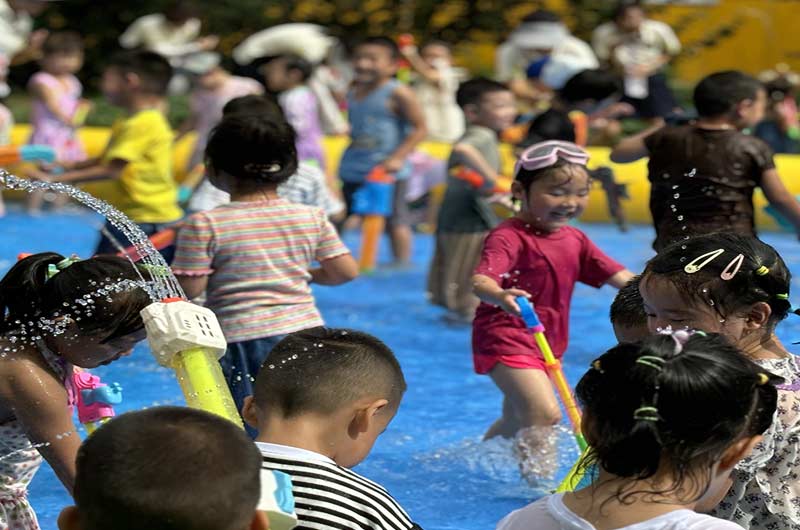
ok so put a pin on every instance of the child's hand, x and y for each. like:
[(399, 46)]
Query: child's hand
[(393, 165), (508, 300)]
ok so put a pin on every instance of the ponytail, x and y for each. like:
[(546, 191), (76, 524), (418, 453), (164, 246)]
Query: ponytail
[(22, 289)]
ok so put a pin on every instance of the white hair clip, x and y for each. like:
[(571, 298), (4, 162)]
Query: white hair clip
[(701, 261)]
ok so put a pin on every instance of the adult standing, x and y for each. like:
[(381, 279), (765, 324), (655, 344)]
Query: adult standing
[(639, 48)]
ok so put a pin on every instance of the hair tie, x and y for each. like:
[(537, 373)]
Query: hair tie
[(763, 379), (646, 414), (596, 366), (762, 270), (652, 361), (782, 296), (54, 269), (261, 169)]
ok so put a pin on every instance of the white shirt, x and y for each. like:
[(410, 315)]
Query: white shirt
[(155, 33), (15, 28), (550, 513), (568, 57), (443, 117), (653, 40)]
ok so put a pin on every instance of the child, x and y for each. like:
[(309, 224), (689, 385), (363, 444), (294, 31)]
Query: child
[(780, 128), (627, 314), (287, 76), (45, 330), (386, 125), (253, 256), (703, 174), (135, 472), (664, 439), (466, 214), (307, 186), (436, 87), (539, 256), (138, 157), (57, 108), (739, 287), (316, 432)]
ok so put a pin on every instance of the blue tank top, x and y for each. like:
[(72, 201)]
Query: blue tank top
[(375, 132)]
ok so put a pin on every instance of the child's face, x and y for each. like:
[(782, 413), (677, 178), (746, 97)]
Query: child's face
[(62, 63), (276, 75), (436, 54), (553, 201), (496, 111), (89, 351), (751, 111), (114, 86), (373, 63)]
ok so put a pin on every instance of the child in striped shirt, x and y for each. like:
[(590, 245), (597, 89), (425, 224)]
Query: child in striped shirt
[(253, 256), (316, 432)]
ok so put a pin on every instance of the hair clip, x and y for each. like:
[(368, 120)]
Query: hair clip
[(54, 269), (782, 296), (762, 270), (262, 169), (701, 261), (652, 361), (646, 414), (735, 264), (596, 366), (763, 379)]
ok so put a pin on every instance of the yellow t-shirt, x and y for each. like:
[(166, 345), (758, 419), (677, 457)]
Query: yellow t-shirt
[(146, 190)]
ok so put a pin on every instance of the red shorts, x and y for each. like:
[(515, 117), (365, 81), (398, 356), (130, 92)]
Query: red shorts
[(485, 363)]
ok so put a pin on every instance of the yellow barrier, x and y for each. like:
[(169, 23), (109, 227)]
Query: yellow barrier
[(634, 176)]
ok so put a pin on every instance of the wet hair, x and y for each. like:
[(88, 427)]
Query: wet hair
[(254, 148), (252, 104), (726, 297), (472, 92), (134, 472), (295, 62), (384, 42), (27, 295), (719, 93), (62, 42), (627, 309), (526, 177), (344, 365), (542, 15), (154, 71), (596, 85), (703, 399)]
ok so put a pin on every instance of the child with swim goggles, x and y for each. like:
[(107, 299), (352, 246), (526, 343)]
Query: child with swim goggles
[(535, 254), (738, 286), (663, 438)]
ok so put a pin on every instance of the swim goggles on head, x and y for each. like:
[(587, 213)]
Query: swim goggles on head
[(545, 154)]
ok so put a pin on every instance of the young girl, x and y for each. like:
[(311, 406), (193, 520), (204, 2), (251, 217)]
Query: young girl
[(55, 313), (739, 287), (57, 109), (538, 255), (663, 437), (253, 256)]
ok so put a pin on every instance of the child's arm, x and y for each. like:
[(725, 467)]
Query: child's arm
[(96, 171), (187, 126), (41, 91), (475, 159), (490, 292), (428, 72), (632, 148), (193, 286), (335, 271), (620, 279), (407, 107), (779, 197)]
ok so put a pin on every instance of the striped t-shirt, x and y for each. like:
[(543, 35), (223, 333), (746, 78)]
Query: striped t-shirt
[(329, 496), (257, 256)]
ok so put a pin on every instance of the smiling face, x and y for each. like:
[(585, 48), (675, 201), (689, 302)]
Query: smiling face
[(373, 63), (496, 110), (552, 201)]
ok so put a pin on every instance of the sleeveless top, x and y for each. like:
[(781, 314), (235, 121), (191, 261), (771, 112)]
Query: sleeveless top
[(375, 132), (49, 130)]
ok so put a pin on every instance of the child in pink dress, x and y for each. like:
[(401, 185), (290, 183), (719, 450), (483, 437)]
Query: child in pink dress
[(539, 256)]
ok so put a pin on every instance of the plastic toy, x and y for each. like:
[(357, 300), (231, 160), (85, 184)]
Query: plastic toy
[(187, 338), (374, 203), (279, 505), (12, 154), (474, 178), (93, 399)]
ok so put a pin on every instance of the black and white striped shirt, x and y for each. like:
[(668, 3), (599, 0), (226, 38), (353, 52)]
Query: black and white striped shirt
[(329, 496)]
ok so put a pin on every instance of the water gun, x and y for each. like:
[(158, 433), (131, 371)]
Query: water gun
[(277, 500), (474, 178), (553, 367), (94, 400), (81, 112), (405, 40), (188, 339), (373, 201), (12, 154)]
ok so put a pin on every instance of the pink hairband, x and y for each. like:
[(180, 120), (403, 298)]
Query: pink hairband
[(546, 154)]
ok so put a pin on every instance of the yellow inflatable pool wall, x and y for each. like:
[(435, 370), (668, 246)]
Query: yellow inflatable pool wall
[(634, 176)]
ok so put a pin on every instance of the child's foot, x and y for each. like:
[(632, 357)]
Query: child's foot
[(537, 454)]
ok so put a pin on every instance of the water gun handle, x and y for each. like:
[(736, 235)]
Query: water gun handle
[(529, 315), (93, 399)]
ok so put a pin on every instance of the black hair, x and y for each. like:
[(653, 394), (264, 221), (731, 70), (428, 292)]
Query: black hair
[(345, 365), (623, 6), (646, 406), (180, 11), (62, 42), (553, 124), (726, 297), (167, 468), (627, 309), (526, 177), (154, 71), (295, 62), (261, 105), (595, 85), (542, 15), (719, 93), (472, 92), (253, 147), (27, 295), (383, 42)]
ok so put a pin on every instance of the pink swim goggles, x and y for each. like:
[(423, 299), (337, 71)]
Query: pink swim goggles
[(546, 154)]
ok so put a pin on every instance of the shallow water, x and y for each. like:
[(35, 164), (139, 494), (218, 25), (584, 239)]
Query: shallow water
[(431, 457)]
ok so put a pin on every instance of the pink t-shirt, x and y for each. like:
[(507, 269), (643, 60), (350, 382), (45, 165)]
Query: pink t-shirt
[(545, 265)]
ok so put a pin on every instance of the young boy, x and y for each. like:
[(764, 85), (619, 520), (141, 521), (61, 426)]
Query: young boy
[(703, 174), (287, 75), (138, 157), (167, 468), (316, 432), (386, 124), (627, 313), (466, 214)]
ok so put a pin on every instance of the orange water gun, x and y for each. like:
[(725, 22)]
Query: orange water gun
[(474, 178), (13, 154), (405, 40)]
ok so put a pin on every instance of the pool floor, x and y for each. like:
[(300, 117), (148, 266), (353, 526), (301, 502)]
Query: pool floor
[(430, 458)]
